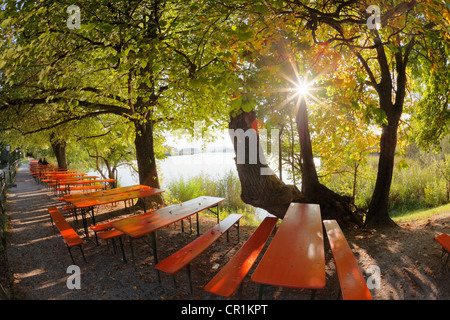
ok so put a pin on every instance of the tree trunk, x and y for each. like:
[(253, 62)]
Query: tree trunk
[(310, 180), (59, 149), (259, 190), (268, 191), (333, 205), (378, 214), (145, 156)]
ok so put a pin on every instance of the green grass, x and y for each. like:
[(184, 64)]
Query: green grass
[(228, 186), (420, 214)]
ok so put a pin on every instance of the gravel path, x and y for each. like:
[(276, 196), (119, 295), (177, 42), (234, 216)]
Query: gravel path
[(40, 260)]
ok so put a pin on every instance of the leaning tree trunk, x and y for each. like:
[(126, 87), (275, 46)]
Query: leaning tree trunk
[(268, 191), (265, 191), (145, 156)]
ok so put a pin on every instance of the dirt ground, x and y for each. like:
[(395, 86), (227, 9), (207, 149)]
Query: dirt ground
[(407, 258)]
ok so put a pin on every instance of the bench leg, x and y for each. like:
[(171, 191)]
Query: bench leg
[(96, 239), (123, 250), (114, 246), (241, 290), (238, 237), (189, 277), (83, 218), (71, 256), (339, 293), (82, 253), (53, 226), (444, 264), (93, 216), (75, 216), (198, 225), (131, 249), (174, 281)]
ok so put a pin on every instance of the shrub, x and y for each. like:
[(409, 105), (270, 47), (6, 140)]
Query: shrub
[(227, 186)]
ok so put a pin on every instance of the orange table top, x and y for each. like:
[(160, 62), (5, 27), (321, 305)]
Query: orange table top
[(80, 177), (295, 258), (138, 226), (62, 173), (80, 181), (110, 198), (74, 197)]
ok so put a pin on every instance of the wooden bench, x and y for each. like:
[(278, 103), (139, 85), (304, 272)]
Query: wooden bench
[(295, 257), (186, 255), (71, 238), (352, 283), (106, 232), (444, 241), (63, 190), (230, 277)]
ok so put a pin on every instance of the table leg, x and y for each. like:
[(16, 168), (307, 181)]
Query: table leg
[(216, 213), (131, 249), (198, 225), (155, 254), (83, 218), (93, 216), (261, 290)]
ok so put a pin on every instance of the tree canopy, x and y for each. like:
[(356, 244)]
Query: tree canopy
[(142, 68)]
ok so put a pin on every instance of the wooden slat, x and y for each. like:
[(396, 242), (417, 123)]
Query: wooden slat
[(228, 279), (77, 197), (108, 225), (444, 241), (352, 282), (105, 199), (137, 227), (69, 235), (295, 257), (184, 256)]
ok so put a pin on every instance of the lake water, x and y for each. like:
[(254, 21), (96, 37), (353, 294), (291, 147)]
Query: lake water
[(184, 166), (214, 164)]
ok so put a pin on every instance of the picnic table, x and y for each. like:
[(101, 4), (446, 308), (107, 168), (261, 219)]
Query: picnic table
[(64, 185), (49, 177), (86, 202), (295, 257), (142, 225)]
